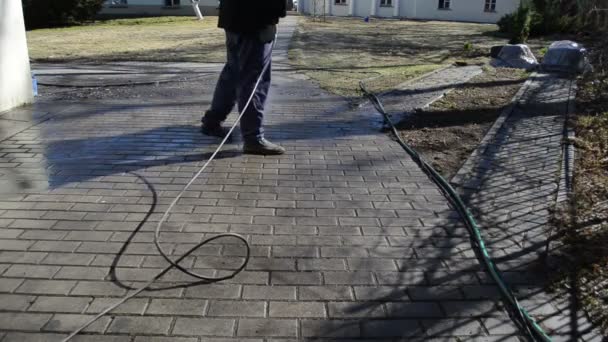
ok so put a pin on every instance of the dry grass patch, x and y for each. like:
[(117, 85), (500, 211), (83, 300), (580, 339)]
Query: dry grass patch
[(584, 224), (339, 52), (142, 39)]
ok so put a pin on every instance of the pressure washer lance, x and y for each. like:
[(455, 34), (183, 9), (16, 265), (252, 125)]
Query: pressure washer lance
[(532, 329), (175, 263)]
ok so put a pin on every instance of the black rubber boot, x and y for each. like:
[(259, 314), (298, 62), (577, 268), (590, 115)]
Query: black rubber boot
[(262, 147), (215, 130)]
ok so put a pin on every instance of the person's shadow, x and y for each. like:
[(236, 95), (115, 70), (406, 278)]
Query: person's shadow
[(92, 158)]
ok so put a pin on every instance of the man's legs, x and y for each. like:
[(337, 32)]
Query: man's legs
[(224, 97), (255, 53), (253, 56), (247, 56)]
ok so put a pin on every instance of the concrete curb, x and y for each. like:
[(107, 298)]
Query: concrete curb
[(397, 117), (463, 173), (415, 79)]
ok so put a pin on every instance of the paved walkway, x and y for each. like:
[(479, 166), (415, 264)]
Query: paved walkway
[(512, 182), (349, 239)]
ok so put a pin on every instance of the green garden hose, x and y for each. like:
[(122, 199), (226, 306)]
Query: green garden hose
[(533, 330)]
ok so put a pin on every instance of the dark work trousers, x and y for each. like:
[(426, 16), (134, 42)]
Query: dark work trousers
[(246, 56)]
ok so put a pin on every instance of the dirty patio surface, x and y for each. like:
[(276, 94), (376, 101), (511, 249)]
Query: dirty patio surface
[(350, 240)]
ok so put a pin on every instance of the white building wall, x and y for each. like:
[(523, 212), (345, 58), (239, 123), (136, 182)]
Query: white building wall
[(15, 77), (362, 8), (339, 10), (461, 10), (464, 10), (385, 12)]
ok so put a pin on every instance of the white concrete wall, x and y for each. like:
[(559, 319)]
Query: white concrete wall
[(461, 10), (15, 77), (385, 12), (362, 8), (406, 8), (464, 10), (339, 10)]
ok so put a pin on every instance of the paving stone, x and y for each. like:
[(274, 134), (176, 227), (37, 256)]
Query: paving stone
[(381, 293), (267, 328), (414, 310), (470, 308), (33, 337), (9, 285), (21, 257), (349, 278), (168, 339), (132, 306), (31, 271), (269, 292), (452, 327), (23, 321), (92, 288), (15, 302), (295, 278), (59, 304), (293, 309), (141, 325), (236, 309), (214, 291), (355, 309), (43, 287), (330, 329), (70, 322), (391, 328), (178, 307), (325, 293)]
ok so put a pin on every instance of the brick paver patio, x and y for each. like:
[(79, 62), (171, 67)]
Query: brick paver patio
[(350, 240)]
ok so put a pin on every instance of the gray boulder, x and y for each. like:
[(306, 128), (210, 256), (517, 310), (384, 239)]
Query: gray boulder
[(566, 56), (515, 56)]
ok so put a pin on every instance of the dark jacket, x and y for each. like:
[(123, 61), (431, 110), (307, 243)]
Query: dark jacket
[(249, 16)]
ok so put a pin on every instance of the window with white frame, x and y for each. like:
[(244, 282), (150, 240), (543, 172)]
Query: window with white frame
[(444, 4), (490, 6), (172, 3), (340, 2), (386, 3)]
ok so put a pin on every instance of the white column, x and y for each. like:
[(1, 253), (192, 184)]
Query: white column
[(328, 7), (396, 5), (15, 77), (351, 7), (374, 7)]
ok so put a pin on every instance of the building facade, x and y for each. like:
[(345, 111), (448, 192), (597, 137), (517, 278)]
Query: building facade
[(481, 11), (157, 7)]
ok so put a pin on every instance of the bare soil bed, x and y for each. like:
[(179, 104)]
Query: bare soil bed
[(448, 131), (583, 225)]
